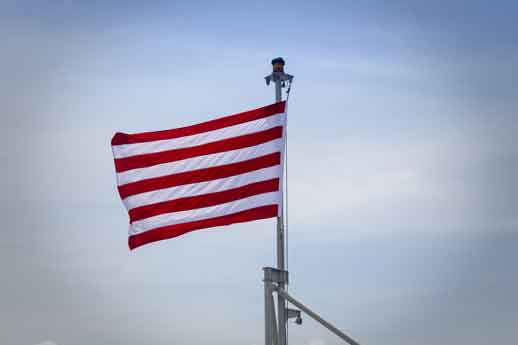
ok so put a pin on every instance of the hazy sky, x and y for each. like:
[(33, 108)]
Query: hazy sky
[(403, 159)]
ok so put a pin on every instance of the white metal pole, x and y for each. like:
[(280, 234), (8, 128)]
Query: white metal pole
[(274, 320), (278, 91), (268, 310), (279, 78), (281, 302)]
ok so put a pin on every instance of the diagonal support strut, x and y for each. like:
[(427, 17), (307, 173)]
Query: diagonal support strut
[(315, 316)]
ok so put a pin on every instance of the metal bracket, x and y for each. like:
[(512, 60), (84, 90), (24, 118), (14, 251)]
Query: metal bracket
[(294, 314), (275, 275), (278, 76)]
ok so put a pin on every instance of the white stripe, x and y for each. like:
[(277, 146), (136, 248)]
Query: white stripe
[(201, 187), (200, 162), (204, 213), (127, 150)]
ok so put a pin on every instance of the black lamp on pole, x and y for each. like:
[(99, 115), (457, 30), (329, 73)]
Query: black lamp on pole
[(278, 73)]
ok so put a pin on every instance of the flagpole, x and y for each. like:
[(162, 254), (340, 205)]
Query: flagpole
[(280, 78), (281, 302), (276, 279)]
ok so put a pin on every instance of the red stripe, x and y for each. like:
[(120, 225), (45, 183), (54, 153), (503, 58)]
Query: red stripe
[(235, 143), (205, 200), (171, 231), (251, 115), (200, 175)]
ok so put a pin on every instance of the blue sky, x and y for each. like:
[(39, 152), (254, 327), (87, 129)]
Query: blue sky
[(403, 219)]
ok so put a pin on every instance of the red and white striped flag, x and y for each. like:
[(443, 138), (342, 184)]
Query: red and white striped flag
[(220, 172)]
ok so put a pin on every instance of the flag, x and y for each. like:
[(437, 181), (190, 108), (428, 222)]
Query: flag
[(220, 172)]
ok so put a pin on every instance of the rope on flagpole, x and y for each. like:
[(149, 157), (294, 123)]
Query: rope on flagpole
[(286, 180), (286, 212), (288, 90)]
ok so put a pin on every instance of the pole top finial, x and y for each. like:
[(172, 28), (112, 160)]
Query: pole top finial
[(278, 60), (278, 65), (278, 73)]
